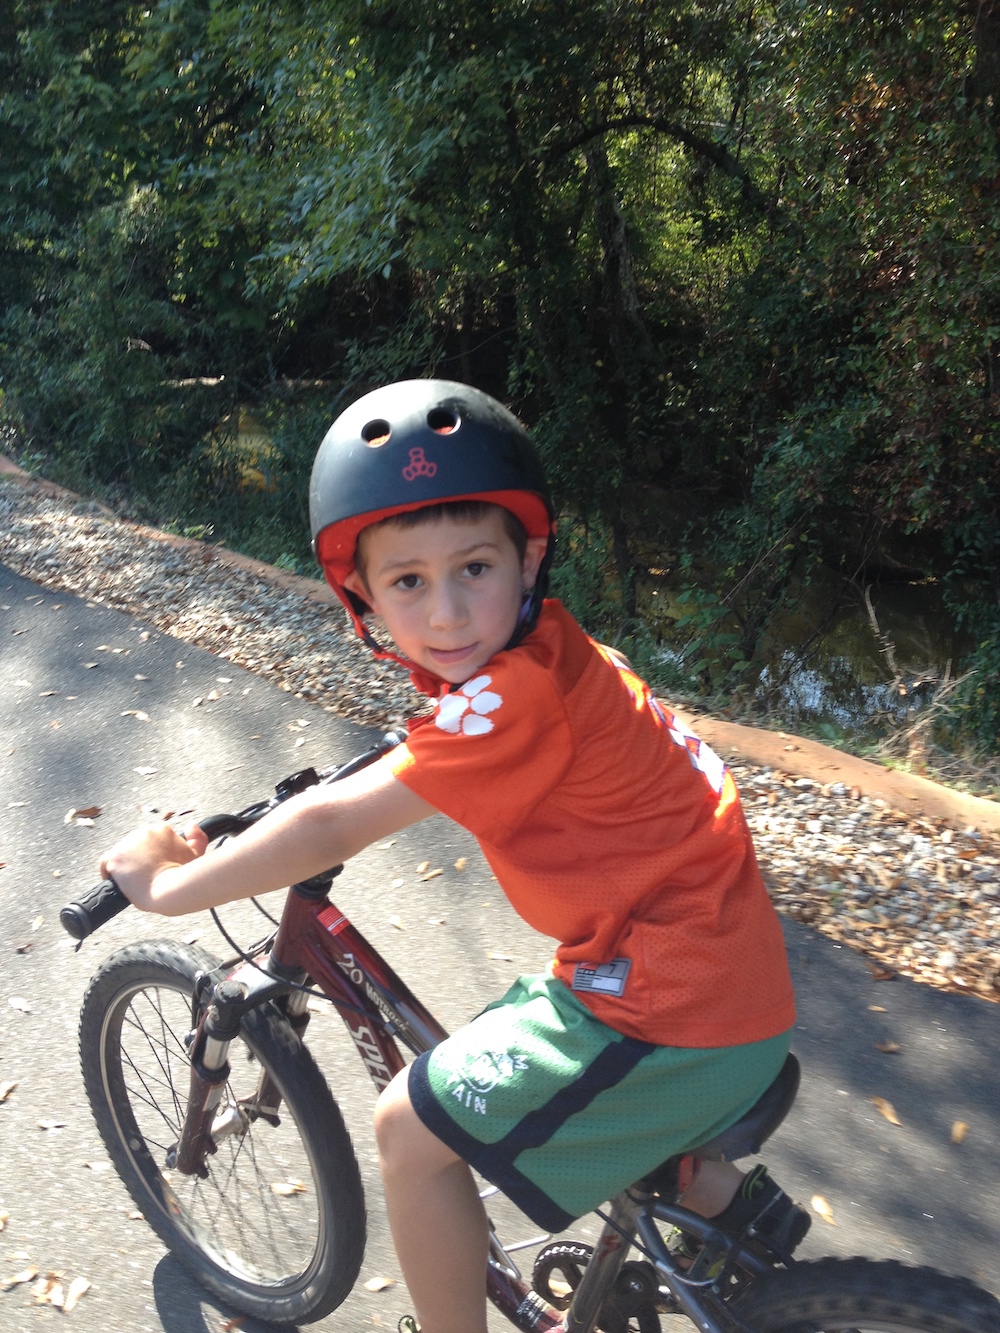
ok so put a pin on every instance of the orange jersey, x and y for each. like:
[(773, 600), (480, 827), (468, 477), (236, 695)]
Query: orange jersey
[(614, 830)]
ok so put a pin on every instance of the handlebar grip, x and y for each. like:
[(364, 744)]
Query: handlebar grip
[(94, 909)]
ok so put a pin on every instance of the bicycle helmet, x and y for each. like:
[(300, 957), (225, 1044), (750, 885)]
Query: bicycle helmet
[(413, 444)]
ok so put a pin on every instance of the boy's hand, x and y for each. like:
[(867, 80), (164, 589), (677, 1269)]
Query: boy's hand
[(135, 861)]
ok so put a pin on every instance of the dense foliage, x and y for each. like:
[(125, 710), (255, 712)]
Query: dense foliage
[(734, 262)]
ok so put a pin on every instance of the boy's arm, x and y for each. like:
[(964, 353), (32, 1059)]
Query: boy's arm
[(324, 826)]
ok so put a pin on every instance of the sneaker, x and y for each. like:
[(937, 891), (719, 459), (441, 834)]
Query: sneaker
[(763, 1213), (760, 1215)]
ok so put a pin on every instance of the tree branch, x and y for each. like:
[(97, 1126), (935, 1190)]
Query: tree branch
[(713, 152)]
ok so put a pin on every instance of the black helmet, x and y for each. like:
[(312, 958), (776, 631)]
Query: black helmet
[(413, 444)]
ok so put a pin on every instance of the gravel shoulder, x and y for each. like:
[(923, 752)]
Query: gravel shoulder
[(891, 865)]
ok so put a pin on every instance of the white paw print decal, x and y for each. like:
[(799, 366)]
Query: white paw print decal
[(465, 710)]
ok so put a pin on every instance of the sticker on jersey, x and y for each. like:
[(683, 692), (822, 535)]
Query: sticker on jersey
[(465, 712), (605, 978), (483, 1072)]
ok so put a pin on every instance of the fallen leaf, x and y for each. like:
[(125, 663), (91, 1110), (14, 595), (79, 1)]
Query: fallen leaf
[(52, 1124), (501, 957), (89, 666), (231, 1325), (877, 1008), (887, 1047), (461, 863), (384, 846), (880, 973), (397, 921), (197, 701), (4, 1219), (435, 920), (37, 923), (97, 1167), (969, 854), (140, 677), (77, 1288), (88, 812), (144, 772), (286, 1188), (48, 694), (424, 865), (887, 1109), (820, 1205), (20, 1004), (25, 1275), (212, 695), (431, 874), (379, 1283), (958, 1131), (224, 680)]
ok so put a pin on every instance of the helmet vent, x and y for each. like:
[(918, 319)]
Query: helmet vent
[(443, 420), (375, 433)]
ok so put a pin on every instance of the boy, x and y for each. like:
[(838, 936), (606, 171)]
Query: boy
[(667, 1009)]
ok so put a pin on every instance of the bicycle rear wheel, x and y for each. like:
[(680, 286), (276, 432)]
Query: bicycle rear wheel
[(836, 1295), (277, 1227)]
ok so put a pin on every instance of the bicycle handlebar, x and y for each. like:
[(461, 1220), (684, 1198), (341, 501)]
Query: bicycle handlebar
[(105, 900)]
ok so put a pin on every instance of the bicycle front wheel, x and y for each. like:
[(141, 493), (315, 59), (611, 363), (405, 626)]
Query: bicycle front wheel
[(277, 1226), (836, 1295)]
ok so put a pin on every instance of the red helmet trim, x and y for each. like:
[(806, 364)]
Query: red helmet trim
[(336, 543)]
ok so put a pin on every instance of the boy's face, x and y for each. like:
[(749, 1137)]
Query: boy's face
[(449, 590)]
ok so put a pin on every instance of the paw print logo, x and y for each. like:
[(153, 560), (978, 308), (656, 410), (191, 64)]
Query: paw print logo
[(465, 711)]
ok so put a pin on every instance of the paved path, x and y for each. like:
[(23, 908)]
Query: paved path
[(75, 681)]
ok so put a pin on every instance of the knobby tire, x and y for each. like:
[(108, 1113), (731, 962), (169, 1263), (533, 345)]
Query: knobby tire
[(836, 1295), (277, 1228)]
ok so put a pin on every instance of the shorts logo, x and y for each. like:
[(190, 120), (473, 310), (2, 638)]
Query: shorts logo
[(419, 466), (465, 711), (483, 1072)]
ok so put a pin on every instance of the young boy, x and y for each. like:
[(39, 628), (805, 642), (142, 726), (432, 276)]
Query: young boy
[(666, 1012)]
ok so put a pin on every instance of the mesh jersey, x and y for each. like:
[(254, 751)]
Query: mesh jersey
[(615, 831)]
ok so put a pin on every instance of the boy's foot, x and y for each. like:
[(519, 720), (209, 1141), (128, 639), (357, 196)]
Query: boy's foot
[(761, 1214)]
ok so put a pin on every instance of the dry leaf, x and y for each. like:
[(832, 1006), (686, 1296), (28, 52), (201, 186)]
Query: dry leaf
[(231, 1325), (4, 1219), (20, 1004), (397, 921), (461, 863), (877, 1008), (77, 1288), (431, 874), (424, 865), (197, 701), (52, 1124), (144, 772), (969, 854), (379, 1283), (820, 1205), (213, 695), (285, 1188), (887, 1047), (887, 1109), (958, 1131), (7, 1088), (25, 1275), (37, 923), (880, 973), (501, 957), (436, 920)]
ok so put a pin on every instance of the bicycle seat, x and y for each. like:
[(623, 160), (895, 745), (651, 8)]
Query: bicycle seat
[(746, 1137)]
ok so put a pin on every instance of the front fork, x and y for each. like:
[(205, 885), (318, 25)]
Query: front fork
[(203, 1127)]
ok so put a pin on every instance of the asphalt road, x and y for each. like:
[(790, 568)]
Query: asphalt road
[(98, 710)]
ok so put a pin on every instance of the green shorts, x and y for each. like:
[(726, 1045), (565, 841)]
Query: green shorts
[(562, 1112)]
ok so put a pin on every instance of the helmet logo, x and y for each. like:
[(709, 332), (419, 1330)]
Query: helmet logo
[(419, 466)]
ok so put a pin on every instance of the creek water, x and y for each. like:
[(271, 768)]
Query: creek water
[(852, 672)]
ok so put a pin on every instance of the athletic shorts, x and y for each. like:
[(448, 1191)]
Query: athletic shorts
[(562, 1112)]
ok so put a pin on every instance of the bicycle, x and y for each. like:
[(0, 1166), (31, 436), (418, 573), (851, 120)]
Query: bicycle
[(246, 1171)]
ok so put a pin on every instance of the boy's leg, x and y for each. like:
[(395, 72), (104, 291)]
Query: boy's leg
[(437, 1219)]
